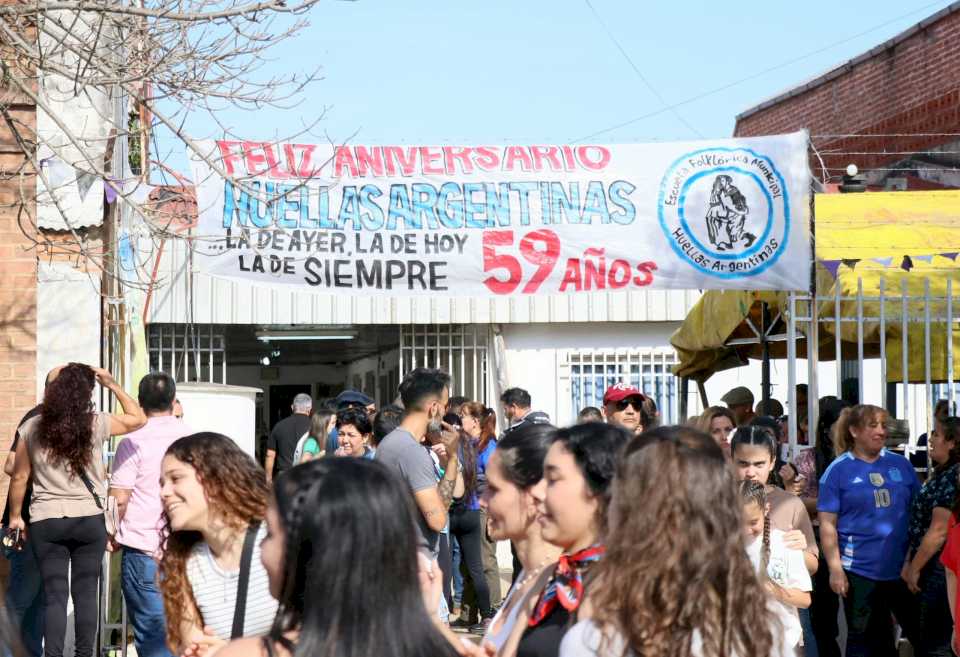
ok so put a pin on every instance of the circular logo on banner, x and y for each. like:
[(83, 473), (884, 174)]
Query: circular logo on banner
[(725, 211)]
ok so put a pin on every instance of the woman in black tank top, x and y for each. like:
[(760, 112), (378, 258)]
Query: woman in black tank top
[(577, 472)]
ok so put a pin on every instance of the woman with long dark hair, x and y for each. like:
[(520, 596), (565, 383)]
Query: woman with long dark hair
[(578, 470), (466, 519), (754, 458), (676, 578), (60, 451), (341, 554), (214, 498), (510, 502), (480, 423), (929, 522)]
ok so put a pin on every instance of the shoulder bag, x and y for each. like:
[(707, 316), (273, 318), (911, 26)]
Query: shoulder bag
[(111, 514), (246, 558)]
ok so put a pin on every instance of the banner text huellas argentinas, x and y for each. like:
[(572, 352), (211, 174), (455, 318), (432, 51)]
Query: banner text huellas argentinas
[(419, 206)]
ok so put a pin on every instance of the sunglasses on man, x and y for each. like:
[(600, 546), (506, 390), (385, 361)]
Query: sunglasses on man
[(636, 402)]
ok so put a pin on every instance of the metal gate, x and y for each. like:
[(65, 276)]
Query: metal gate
[(919, 324), (462, 350)]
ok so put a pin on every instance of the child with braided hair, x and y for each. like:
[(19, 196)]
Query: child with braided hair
[(781, 569)]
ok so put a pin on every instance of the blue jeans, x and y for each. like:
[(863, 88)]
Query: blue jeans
[(25, 599), (456, 556), (138, 580), (809, 640)]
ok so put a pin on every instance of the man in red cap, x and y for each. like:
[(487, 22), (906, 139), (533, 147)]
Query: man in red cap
[(623, 406)]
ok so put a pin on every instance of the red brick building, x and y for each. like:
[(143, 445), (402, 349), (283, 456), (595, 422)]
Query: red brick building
[(18, 263), (894, 111)]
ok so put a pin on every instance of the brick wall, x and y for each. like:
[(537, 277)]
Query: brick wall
[(910, 84), (18, 265)]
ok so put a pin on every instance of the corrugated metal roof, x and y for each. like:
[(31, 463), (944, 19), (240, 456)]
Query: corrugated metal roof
[(219, 301)]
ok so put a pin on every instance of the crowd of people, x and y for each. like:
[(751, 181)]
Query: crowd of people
[(371, 531)]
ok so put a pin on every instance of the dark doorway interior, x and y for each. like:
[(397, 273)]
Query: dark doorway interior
[(281, 398)]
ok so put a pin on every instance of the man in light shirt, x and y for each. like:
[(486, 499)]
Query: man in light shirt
[(135, 483)]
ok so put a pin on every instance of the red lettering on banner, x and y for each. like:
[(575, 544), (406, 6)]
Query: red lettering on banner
[(572, 276), (487, 158), (619, 274), (493, 261), (229, 154), (428, 156), (545, 259), (461, 154), (255, 157), (369, 160), (596, 163), (569, 160), (304, 167), (406, 158), (516, 154), (550, 153), (594, 270), (343, 159), (645, 276)]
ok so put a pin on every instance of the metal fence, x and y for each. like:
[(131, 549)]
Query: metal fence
[(859, 329)]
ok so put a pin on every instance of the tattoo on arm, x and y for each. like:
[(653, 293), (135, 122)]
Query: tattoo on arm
[(445, 488)]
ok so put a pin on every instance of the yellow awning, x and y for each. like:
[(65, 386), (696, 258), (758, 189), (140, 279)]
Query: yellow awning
[(900, 238)]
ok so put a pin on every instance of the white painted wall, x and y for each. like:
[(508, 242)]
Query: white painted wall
[(68, 319)]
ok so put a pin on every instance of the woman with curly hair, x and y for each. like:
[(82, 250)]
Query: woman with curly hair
[(60, 451), (676, 580), (336, 599), (214, 499)]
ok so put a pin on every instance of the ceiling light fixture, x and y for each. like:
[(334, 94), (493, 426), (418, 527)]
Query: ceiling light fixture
[(297, 336)]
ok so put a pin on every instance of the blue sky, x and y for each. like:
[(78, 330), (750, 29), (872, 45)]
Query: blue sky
[(435, 72)]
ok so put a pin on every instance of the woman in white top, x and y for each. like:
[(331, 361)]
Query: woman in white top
[(676, 579), (212, 493), (514, 471), (781, 569)]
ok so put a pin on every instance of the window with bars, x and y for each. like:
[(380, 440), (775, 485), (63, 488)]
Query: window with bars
[(459, 349), (188, 352), (591, 373)]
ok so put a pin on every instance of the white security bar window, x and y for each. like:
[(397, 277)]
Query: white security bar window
[(459, 349), (188, 353), (592, 372)]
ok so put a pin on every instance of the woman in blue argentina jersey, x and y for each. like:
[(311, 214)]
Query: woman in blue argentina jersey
[(864, 508)]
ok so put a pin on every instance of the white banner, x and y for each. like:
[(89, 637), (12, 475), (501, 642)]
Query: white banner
[(507, 220)]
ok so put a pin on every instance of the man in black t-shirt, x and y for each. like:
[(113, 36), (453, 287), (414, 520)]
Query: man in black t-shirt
[(283, 440), (25, 589)]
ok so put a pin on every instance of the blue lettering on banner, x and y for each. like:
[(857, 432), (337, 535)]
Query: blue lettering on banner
[(424, 206)]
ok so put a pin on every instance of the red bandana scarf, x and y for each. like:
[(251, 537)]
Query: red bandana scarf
[(566, 586)]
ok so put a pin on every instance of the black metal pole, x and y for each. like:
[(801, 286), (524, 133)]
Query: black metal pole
[(684, 389)]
